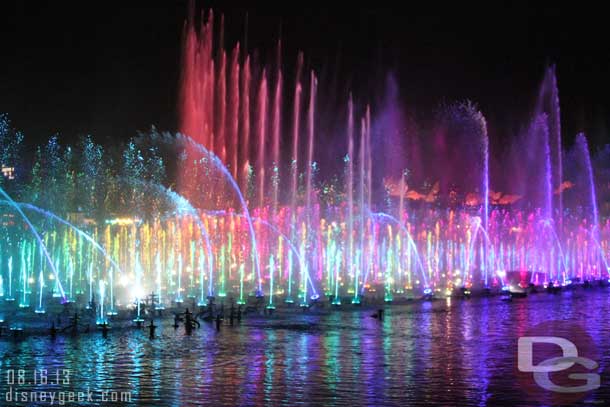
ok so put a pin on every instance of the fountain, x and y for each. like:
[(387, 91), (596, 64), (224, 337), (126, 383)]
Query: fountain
[(261, 214)]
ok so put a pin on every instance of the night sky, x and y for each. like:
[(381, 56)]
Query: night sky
[(112, 68)]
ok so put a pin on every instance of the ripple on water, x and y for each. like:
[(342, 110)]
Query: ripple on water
[(445, 353)]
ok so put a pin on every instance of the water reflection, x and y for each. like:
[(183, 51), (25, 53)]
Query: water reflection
[(442, 352)]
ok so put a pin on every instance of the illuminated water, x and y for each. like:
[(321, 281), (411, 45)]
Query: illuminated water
[(424, 353), (222, 209), (248, 221)]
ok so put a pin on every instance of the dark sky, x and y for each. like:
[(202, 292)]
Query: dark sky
[(110, 68)]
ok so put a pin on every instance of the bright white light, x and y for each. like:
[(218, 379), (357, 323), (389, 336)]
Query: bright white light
[(138, 292)]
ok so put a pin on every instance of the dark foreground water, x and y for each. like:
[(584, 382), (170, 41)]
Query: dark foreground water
[(446, 352)]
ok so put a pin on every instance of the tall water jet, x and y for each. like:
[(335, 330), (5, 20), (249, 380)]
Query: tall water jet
[(581, 141), (548, 105), (262, 138), (101, 319), (233, 113), (369, 191), (271, 306), (294, 159), (221, 105), (401, 200), (138, 289), (548, 185), (369, 159), (159, 291), (24, 277), (583, 145), (111, 309), (40, 307), (244, 145), (360, 271), (197, 81), (275, 133), (294, 167), (555, 131), (209, 90), (9, 297), (313, 86), (350, 188), (485, 150)]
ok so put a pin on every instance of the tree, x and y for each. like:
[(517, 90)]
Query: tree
[(91, 177), (131, 177), (11, 146)]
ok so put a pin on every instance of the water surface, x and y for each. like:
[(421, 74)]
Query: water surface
[(446, 352)]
